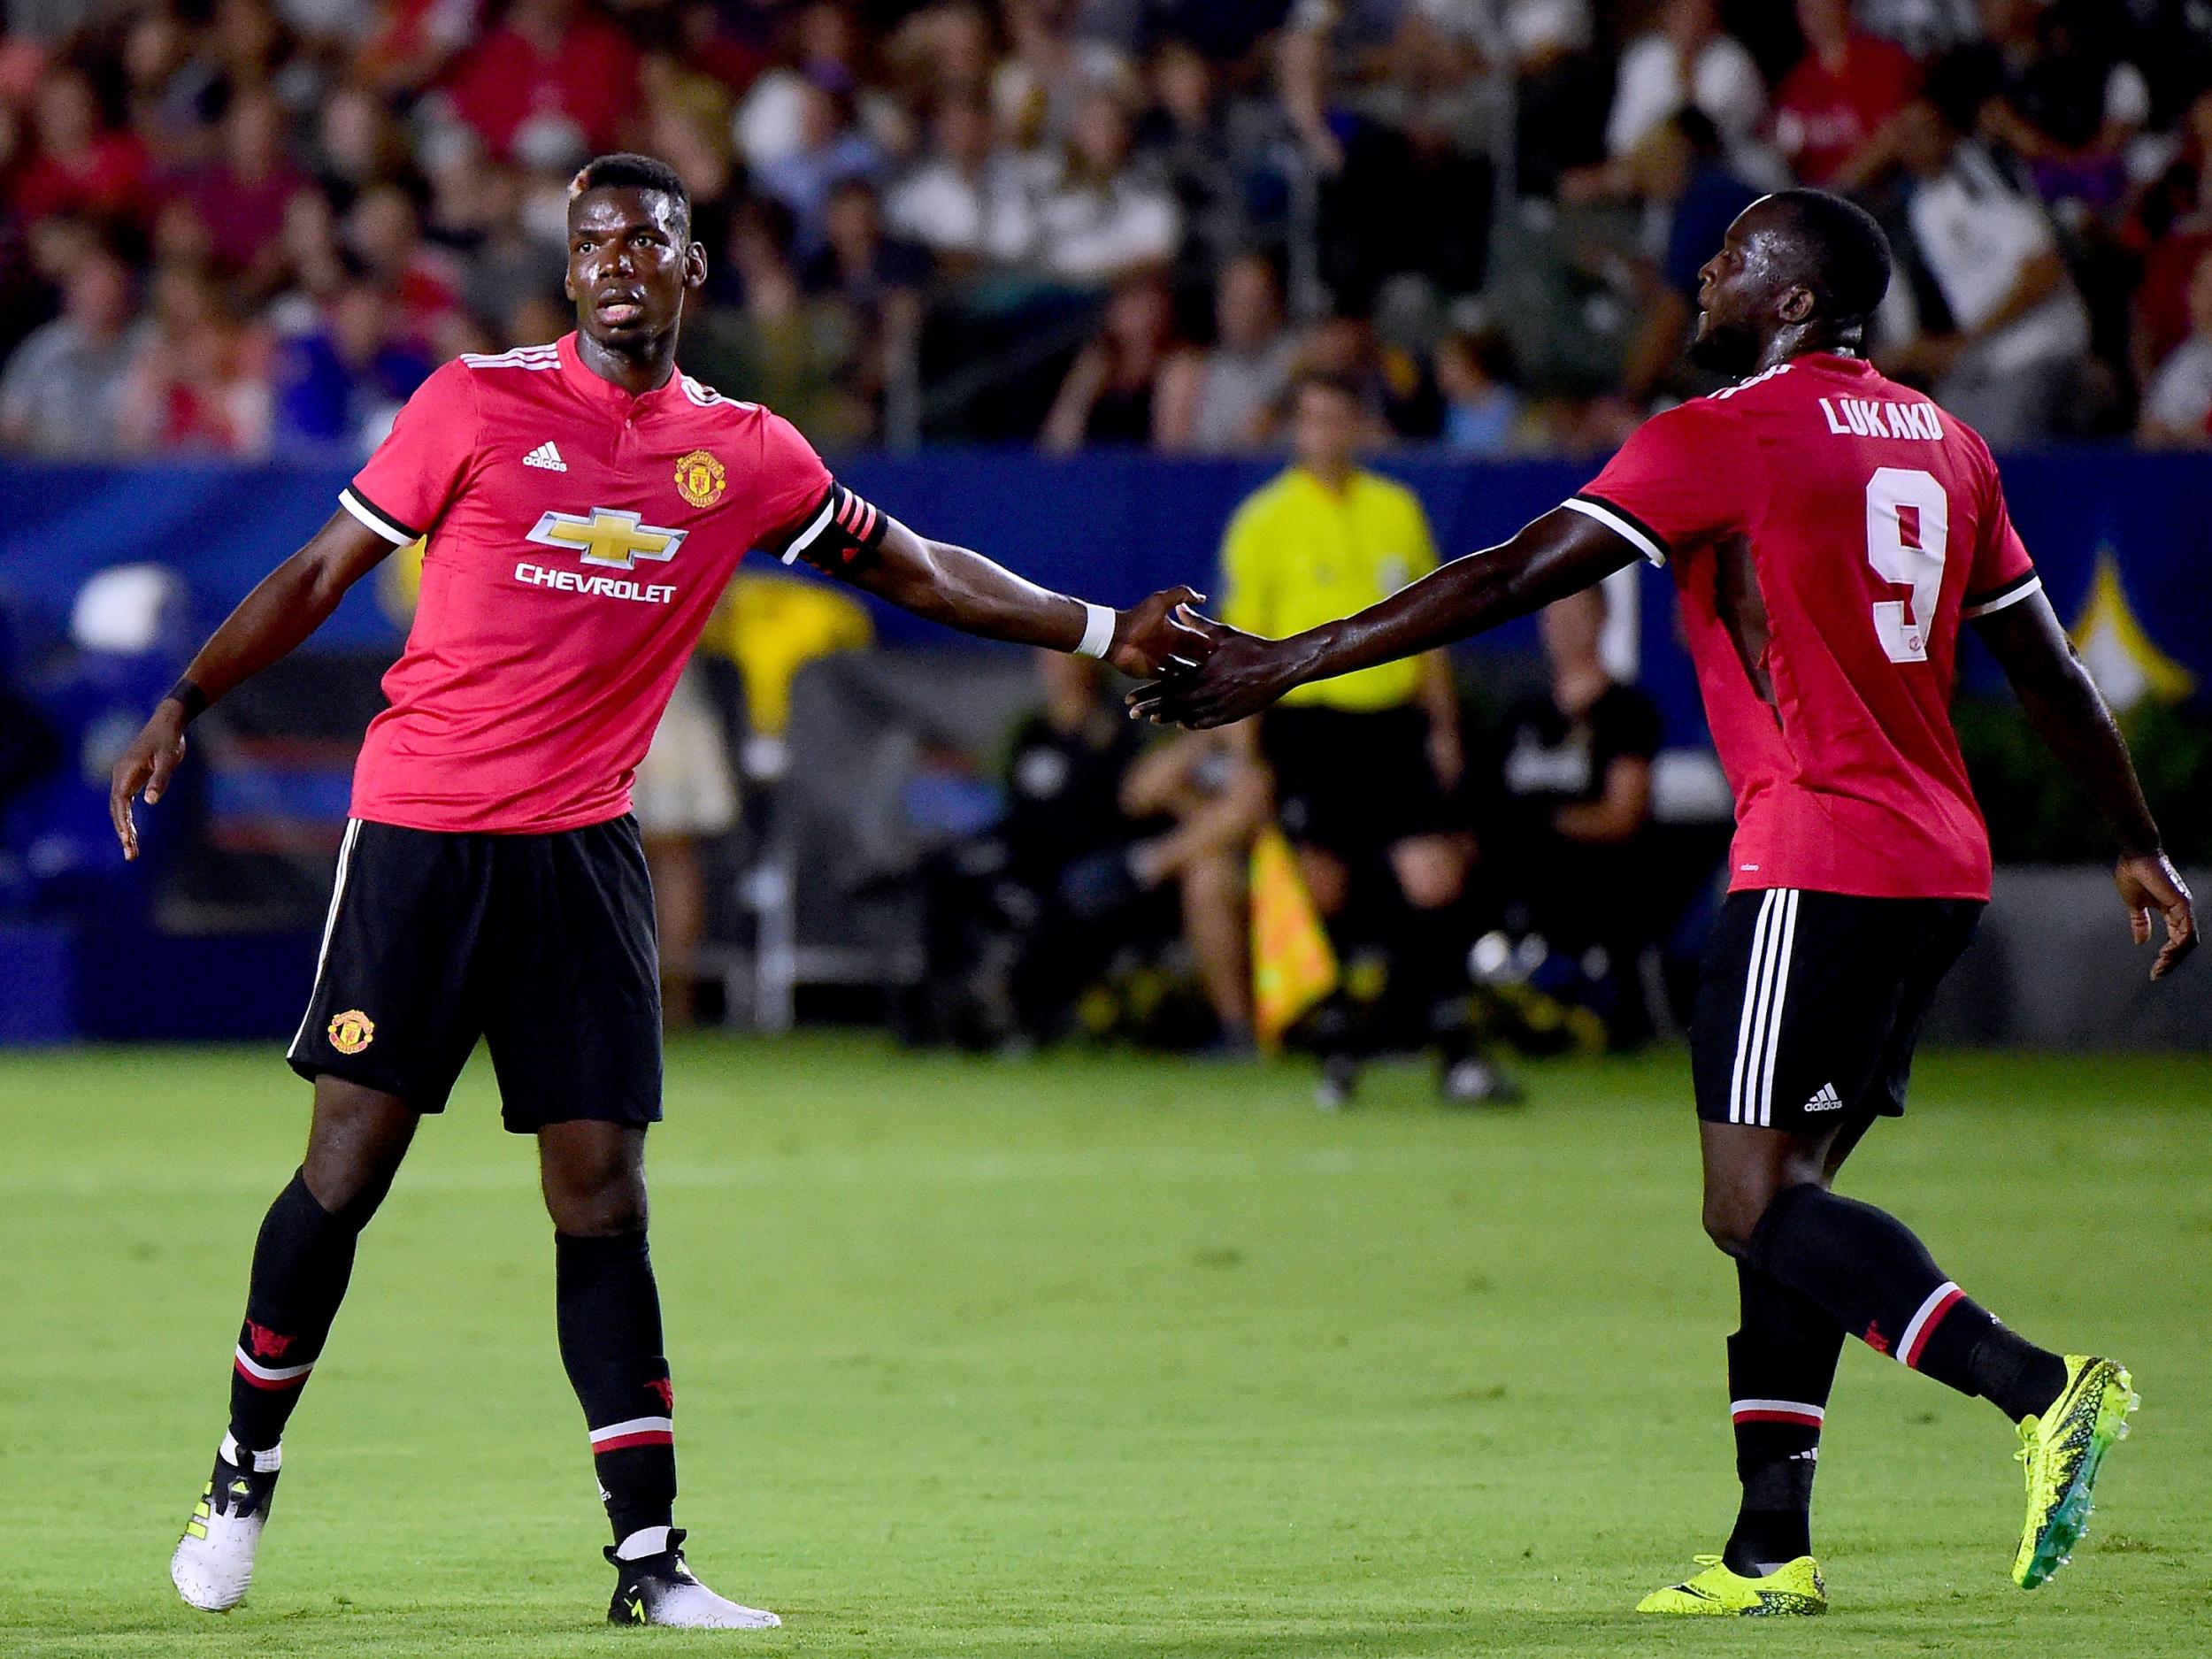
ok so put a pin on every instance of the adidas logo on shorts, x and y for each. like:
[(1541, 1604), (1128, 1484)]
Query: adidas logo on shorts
[(547, 456), (1826, 1099)]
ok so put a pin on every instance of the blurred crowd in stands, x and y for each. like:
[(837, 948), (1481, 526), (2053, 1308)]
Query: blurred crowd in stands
[(249, 227)]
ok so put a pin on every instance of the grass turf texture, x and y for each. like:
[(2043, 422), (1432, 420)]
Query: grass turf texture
[(1094, 1356)]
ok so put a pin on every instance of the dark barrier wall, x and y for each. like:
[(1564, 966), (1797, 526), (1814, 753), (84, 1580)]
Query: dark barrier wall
[(1112, 525)]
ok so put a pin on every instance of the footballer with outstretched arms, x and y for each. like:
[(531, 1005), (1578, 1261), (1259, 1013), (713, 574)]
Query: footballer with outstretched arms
[(584, 505), (1828, 530)]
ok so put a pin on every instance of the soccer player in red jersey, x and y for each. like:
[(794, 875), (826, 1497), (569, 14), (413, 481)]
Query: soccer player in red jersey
[(1828, 530), (584, 505)]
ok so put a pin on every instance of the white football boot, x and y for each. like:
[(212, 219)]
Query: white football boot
[(657, 1589), (214, 1566)]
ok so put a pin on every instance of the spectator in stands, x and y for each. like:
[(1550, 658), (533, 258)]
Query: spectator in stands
[(781, 347), (1687, 59), (312, 264), (80, 164), (1397, 396), (2177, 404), (1926, 28), (833, 148), (1363, 766), (356, 144), (1679, 174), (383, 234), (2170, 230), (1483, 414), (551, 75), (338, 384), (877, 279), (1122, 386), (1052, 72), (1221, 400), (62, 392), (2066, 103), (824, 43), (2018, 329), (241, 197), (967, 201), (200, 383), (1841, 93), (1102, 216), (1186, 135), (1570, 840), (1562, 89)]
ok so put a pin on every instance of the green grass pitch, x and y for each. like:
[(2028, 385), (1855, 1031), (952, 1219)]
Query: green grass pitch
[(1090, 1357)]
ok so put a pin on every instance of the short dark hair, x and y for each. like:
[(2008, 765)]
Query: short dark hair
[(627, 170), (1850, 262)]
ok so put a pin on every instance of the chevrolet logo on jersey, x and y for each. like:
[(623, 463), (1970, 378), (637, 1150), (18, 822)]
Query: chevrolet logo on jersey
[(608, 537)]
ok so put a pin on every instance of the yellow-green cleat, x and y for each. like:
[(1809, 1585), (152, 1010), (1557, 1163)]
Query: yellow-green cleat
[(1795, 1588), (2062, 1450)]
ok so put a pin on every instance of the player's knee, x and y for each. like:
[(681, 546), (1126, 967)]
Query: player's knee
[(355, 1147), (1732, 1215), (595, 1198), (1431, 872)]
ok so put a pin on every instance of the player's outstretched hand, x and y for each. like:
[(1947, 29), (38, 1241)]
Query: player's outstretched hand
[(147, 765), (1162, 635), (1244, 674), (2147, 883)]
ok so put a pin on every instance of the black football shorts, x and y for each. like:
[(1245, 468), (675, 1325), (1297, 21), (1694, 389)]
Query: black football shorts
[(1809, 1003), (1353, 783), (542, 945)]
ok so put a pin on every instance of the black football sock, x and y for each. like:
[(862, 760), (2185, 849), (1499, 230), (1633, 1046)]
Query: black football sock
[(611, 1344), (1428, 956), (1781, 1364), (302, 1260), (1877, 1280)]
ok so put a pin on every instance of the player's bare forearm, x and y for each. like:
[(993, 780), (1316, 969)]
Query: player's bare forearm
[(1559, 554), (286, 606), (2068, 711), (963, 589)]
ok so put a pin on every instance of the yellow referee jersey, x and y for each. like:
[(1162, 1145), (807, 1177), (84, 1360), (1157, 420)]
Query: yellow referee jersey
[(1299, 554)]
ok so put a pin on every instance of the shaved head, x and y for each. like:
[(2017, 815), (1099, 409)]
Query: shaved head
[(1801, 263)]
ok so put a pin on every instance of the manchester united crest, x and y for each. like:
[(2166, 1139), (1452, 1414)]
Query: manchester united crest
[(351, 1030), (699, 479)]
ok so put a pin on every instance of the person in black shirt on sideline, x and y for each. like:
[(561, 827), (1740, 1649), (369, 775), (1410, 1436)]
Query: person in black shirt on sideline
[(1574, 815)]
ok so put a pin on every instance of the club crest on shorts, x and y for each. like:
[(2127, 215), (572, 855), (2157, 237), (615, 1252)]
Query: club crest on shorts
[(351, 1030), (699, 479)]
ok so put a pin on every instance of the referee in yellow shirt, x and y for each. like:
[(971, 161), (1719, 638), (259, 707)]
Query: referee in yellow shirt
[(1365, 764)]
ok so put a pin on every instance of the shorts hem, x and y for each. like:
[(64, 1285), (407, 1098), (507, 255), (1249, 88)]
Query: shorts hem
[(419, 1101)]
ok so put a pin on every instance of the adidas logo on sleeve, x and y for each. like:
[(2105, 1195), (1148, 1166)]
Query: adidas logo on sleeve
[(547, 456)]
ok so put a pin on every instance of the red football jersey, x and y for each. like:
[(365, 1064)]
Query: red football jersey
[(1828, 530), (579, 538)]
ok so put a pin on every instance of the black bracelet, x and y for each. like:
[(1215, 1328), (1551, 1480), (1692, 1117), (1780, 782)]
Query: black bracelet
[(191, 697)]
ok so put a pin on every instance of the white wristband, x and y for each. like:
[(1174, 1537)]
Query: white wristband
[(1098, 630)]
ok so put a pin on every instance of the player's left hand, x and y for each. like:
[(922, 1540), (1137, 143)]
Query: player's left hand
[(1162, 635), (2148, 882), (147, 764), (1244, 674)]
